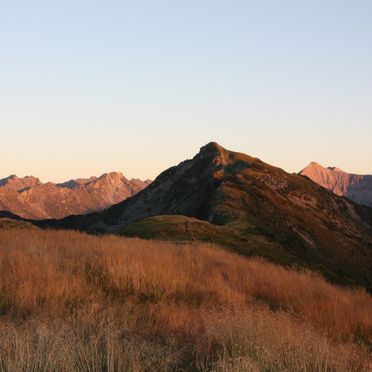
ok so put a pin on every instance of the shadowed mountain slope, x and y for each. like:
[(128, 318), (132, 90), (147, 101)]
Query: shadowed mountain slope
[(11, 221), (30, 198), (240, 202), (354, 186)]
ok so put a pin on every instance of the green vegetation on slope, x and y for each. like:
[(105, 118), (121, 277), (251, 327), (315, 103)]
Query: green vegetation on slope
[(233, 236)]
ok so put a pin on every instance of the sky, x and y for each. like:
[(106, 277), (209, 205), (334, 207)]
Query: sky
[(88, 87)]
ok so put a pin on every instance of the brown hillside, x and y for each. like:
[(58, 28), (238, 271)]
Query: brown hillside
[(246, 205), (74, 302)]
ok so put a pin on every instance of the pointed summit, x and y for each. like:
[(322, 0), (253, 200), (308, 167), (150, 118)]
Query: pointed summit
[(311, 166), (356, 187), (5, 180), (17, 183), (221, 158), (315, 164), (212, 147), (112, 177)]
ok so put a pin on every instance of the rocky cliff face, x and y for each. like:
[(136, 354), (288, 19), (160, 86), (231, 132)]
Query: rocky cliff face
[(355, 187), (29, 198)]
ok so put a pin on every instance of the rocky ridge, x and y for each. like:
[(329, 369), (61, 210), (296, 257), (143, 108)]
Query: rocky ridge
[(353, 186), (29, 198)]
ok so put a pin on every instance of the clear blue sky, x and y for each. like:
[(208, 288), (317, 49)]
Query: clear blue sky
[(137, 86)]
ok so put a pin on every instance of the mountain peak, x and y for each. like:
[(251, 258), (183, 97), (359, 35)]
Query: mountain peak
[(356, 187), (314, 164), (212, 148), (5, 180), (312, 167), (19, 183), (30, 198), (232, 199), (111, 175)]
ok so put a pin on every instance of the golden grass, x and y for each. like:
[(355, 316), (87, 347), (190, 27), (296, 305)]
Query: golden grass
[(74, 302)]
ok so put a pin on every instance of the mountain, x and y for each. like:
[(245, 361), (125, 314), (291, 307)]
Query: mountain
[(247, 206), (28, 197), (353, 186)]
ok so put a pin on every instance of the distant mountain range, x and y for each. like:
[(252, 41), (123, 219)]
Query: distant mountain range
[(250, 207), (29, 198), (355, 187)]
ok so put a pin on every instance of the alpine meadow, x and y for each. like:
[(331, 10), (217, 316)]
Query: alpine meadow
[(186, 186)]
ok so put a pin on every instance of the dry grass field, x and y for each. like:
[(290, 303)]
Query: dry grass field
[(74, 302)]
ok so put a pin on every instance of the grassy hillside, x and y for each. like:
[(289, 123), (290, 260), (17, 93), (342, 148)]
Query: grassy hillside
[(7, 223), (74, 302), (233, 236), (248, 206), (242, 238)]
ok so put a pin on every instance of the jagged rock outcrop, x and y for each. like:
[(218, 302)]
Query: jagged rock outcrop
[(355, 187), (28, 197)]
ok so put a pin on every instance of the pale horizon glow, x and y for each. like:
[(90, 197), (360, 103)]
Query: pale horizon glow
[(89, 87)]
